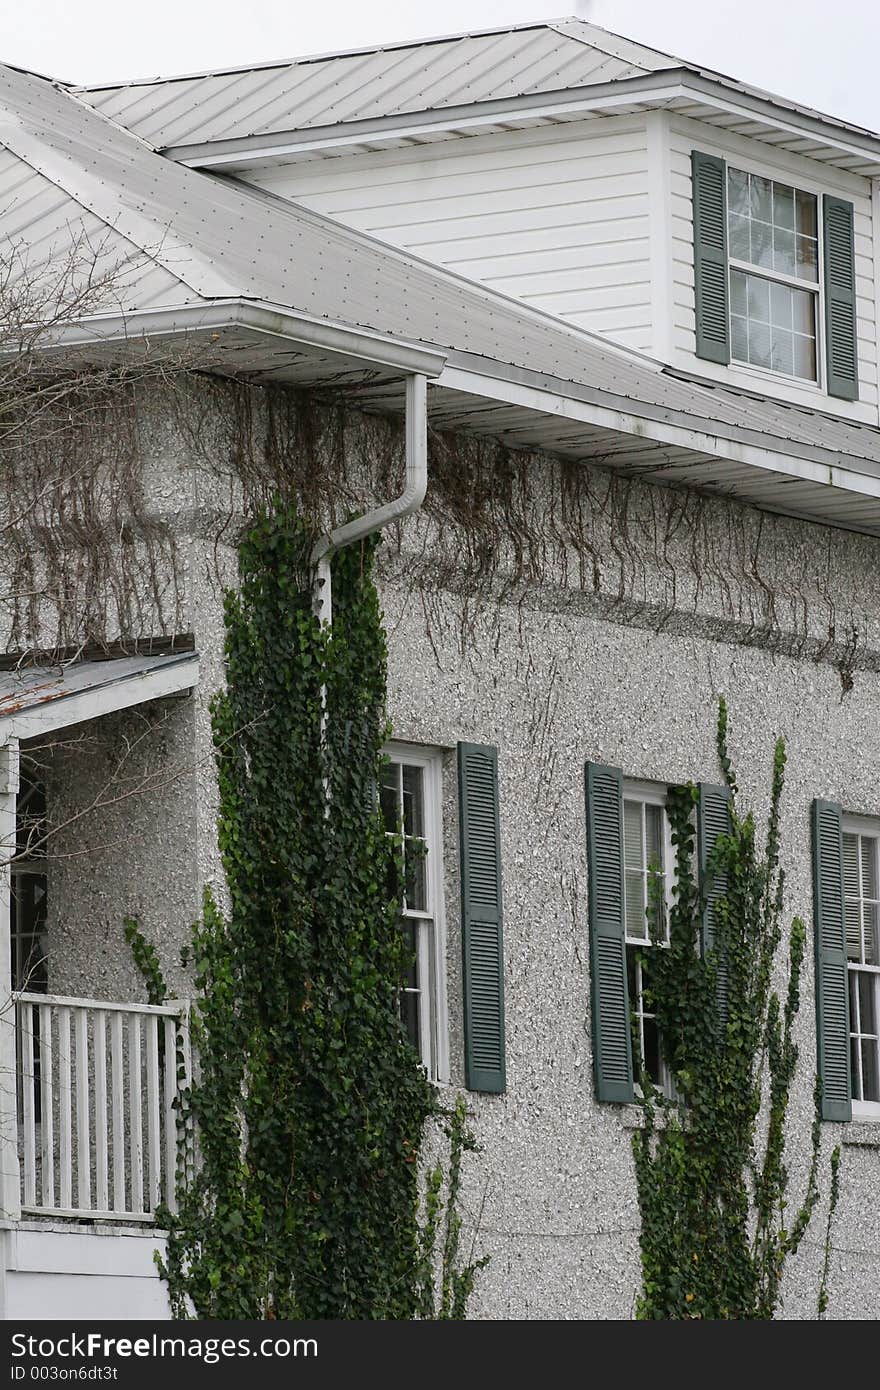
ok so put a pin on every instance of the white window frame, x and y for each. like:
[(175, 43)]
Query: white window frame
[(652, 794), (431, 933), (869, 829), (816, 287)]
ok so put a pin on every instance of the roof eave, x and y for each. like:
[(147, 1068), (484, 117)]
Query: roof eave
[(661, 88)]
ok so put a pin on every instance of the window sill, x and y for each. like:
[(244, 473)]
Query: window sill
[(861, 1133)]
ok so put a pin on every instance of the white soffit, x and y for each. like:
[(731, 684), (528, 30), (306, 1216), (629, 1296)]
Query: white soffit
[(38, 700)]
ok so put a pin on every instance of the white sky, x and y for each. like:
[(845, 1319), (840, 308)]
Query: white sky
[(825, 53)]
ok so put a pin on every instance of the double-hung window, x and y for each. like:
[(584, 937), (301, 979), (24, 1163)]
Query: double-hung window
[(774, 276), (410, 799), (773, 247), (647, 865), (861, 898)]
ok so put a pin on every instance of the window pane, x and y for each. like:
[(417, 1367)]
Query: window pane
[(739, 243), (853, 919), (871, 933), (413, 801), (870, 1088), (803, 312), (739, 338), (761, 201), (780, 306), (409, 994), (805, 358), (783, 205), (783, 251), (632, 980), (854, 1054), (867, 1001), (652, 1049), (737, 191), (762, 244), (389, 799), (759, 299), (806, 213), (654, 832), (853, 978), (759, 344), (738, 292), (636, 916), (869, 867), (807, 257), (416, 874), (782, 352), (633, 850)]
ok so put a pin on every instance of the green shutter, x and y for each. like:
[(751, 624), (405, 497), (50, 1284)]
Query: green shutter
[(841, 350), (832, 995), (709, 184), (482, 945), (612, 1046), (713, 819)]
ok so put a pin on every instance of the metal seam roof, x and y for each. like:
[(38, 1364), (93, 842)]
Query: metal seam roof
[(212, 106)]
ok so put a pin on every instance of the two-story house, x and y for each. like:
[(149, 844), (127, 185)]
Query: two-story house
[(627, 311)]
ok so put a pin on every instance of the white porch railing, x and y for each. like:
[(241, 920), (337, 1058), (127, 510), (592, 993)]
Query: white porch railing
[(97, 1084)]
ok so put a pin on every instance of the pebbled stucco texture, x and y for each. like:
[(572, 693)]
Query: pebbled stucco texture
[(609, 638)]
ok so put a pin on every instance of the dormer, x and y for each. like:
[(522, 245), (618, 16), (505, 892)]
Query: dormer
[(729, 234)]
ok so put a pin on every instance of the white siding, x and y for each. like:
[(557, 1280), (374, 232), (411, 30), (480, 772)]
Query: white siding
[(688, 135), (74, 1273), (556, 216)]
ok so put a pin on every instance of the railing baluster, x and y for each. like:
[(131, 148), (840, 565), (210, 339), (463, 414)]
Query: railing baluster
[(102, 1198), (63, 1059), (47, 1105), (170, 1116), (135, 1123), (29, 1176), (83, 1136), (151, 1023), (65, 1157), (117, 1085)]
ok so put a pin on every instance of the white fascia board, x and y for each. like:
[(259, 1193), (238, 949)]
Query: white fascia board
[(172, 677), (652, 90), (264, 320), (680, 436)]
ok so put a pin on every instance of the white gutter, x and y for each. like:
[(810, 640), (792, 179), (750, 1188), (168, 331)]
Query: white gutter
[(409, 501), (299, 330)]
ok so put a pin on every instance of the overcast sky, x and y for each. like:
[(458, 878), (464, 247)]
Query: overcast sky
[(826, 55)]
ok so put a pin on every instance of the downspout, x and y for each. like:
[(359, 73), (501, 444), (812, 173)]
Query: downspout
[(409, 501)]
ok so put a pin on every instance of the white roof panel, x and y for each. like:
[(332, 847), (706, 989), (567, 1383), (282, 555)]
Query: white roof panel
[(39, 699)]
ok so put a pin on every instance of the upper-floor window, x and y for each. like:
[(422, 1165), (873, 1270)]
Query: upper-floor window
[(861, 896), (773, 247), (410, 798), (774, 277)]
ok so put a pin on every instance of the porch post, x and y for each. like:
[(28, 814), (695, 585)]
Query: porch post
[(10, 1190)]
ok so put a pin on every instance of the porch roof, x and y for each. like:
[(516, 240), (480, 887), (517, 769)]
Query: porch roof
[(40, 699)]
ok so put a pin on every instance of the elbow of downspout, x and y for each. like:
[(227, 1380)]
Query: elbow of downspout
[(409, 501)]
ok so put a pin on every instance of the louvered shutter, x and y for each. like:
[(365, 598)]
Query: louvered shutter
[(841, 349), (713, 819), (612, 1045), (709, 185), (481, 918), (832, 997)]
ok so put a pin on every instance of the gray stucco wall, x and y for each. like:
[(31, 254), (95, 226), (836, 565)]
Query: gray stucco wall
[(562, 617)]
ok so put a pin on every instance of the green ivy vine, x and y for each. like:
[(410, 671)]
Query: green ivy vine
[(301, 1135), (713, 1184)]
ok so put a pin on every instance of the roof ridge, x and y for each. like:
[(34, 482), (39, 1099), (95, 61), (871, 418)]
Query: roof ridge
[(306, 58)]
